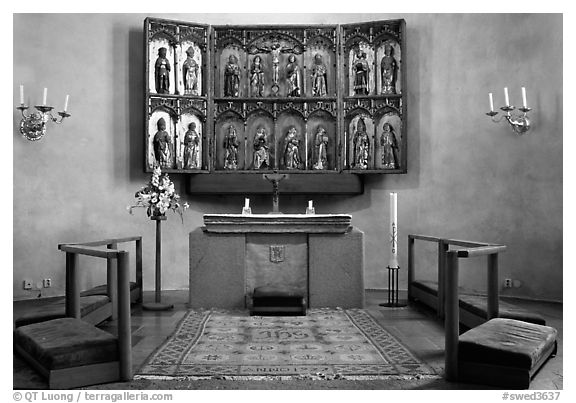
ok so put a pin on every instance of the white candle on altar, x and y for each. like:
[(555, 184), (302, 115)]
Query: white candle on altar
[(491, 102), (21, 94), (507, 100), (309, 203), (393, 230), (45, 96), (66, 103), (246, 203), (524, 97)]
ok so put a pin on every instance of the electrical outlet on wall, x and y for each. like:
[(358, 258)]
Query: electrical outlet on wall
[(27, 284), (47, 283), (508, 283)]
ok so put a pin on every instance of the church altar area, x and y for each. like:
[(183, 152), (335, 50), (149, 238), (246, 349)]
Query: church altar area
[(320, 256)]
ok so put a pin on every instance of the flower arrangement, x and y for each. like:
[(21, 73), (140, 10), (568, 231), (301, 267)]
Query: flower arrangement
[(159, 196)]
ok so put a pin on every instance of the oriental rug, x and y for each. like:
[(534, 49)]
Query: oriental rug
[(325, 344)]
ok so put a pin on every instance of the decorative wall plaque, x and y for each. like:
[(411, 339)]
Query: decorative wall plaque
[(307, 99)]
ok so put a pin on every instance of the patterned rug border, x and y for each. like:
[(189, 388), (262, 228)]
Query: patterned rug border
[(373, 332)]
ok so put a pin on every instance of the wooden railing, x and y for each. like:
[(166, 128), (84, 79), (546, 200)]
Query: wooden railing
[(452, 311), (118, 287)]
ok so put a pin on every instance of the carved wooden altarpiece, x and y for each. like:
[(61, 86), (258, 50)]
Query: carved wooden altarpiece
[(234, 102)]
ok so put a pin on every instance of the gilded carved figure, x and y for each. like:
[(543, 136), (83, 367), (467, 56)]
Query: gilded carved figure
[(190, 73), (294, 77), (191, 148), (162, 145), (319, 82), (389, 70), (320, 146), (361, 70), (257, 77), (162, 72), (232, 77), (231, 145), (361, 146), (389, 147), (261, 157), (292, 150)]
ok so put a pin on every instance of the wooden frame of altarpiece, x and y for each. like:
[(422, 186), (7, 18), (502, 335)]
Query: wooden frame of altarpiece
[(349, 87)]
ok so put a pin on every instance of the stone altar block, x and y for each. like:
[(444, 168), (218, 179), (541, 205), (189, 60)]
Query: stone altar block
[(321, 255)]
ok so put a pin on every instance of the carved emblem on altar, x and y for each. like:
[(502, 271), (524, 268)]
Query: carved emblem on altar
[(277, 253)]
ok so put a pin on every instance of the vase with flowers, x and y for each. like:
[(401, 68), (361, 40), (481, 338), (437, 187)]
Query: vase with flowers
[(159, 196)]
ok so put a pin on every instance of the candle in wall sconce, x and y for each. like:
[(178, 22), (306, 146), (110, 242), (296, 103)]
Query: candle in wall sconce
[(66, 103), (524, 97), (21, 94), (393, 230), (506, 99), (491, 102), (44, 98)]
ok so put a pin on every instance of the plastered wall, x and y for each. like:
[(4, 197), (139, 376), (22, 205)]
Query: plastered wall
[(467, 178)]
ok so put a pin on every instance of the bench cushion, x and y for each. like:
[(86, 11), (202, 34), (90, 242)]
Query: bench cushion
[(507, 342), (66, 342), (57, 309), (102, 290)]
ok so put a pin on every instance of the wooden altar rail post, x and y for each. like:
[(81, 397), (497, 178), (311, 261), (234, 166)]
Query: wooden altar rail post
[(443, 247), (122, 286), (452, 309)]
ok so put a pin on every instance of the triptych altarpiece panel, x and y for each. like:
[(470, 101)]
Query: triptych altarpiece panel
[(299, 99)]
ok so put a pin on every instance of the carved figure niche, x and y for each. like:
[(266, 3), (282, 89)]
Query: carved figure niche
[(161, 138), (388, 72), (190, 77), (291, 141), (321, 141), (189, 142), (320, 60), (261, 141), (361, 70), (388, 141), (231, 142), (161, 67), (231, 74), (360, 142)]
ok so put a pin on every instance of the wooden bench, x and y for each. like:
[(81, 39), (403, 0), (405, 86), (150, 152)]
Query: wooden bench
[(71, 353), (500, 352), (98, 303), (473, 308)]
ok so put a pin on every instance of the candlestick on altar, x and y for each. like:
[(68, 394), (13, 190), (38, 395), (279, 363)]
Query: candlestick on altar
[(246, 209), (310, 208), (393, 266)]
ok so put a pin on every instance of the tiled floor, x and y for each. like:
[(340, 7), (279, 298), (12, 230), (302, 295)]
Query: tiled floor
[(415, 326)]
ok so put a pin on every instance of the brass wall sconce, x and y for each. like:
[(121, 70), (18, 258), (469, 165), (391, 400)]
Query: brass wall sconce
[(519, 122), (33, 125)]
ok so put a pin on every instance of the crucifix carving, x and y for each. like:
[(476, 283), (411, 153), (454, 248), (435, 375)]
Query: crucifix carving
[(275, 178)]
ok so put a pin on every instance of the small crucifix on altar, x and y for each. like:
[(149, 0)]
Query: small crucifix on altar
[(275, 178)]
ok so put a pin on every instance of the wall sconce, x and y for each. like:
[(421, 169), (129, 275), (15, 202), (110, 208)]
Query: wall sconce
[(33, 125), (519, 123)]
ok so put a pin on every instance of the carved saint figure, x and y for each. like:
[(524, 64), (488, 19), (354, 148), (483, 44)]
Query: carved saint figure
[(319, 86), (320, 145), (261, 158), (361, 69), (162, 145), (191, 147), (294, 77), (231, 148), (361, 146), (389, 147), (257, 77), (190, 73), (389, 69), (291, 152), (232, 77), (162, 72)]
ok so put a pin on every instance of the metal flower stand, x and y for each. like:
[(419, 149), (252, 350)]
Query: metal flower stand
[(393, 301), (157, 305)]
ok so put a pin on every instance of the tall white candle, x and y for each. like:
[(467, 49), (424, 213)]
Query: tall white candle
[(393, 230), (309, 203), (524, 97), (45, 96), (66, 103), (246, 202), (491, 102), (507, 100), (21, 94)]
